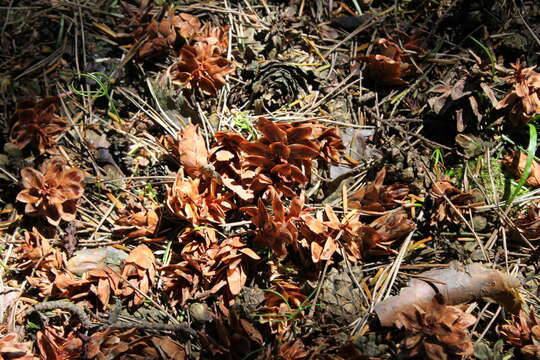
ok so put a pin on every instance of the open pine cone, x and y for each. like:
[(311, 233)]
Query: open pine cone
[(279, 229), (524, 333), (53, 192), (36, 124), (164, 35), (437, 332), (524, 98), (200, 67)]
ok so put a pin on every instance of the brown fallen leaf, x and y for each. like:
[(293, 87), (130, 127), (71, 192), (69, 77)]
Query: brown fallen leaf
[(141, 271), (192, 150), (12, 348), (387, 64), (55, 344), (457, 284), (516, 161), (528, 224)]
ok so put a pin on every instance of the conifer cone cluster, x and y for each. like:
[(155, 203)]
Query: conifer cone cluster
[(202, 64), (37, 124), (437, 332), (52, 192), (523, 332), (524, 98)]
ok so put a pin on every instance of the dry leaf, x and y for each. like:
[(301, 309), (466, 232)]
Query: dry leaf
[(12, 349), (387, 65), (516, 161), (192, 150)]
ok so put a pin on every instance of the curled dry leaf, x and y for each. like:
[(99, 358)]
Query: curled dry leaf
[(11, 348), (54, 344), (524, 98), (436, 331), (52, 192), (529, 224), (461, 201), (137, 220), (516, 161), (37, 124), (140, 271), (457, 285), (387, 64), (116, 344), (192, 150)]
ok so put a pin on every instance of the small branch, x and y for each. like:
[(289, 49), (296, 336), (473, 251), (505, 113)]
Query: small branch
[(113, 319), (63, 305)]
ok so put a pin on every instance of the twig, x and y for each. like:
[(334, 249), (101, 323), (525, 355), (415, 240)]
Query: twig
[(63, 305), (113, 322)]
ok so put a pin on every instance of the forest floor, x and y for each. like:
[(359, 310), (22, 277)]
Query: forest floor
[(264, 179)]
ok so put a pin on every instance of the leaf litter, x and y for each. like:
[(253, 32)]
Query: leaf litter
[(269, 180)]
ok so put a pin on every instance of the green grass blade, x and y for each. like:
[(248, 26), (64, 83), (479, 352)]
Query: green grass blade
[(531, 151), (488, 52)]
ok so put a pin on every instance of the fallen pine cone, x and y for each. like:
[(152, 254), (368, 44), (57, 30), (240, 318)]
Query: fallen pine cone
[(37, 124), (53, 191)]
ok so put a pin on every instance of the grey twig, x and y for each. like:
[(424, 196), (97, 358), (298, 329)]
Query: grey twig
[(63, 305), (113, 321)]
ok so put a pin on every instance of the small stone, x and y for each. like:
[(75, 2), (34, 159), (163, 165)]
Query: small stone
[(13, 151), (199, 312), (407, 175), (98, 258), (479, 223)]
